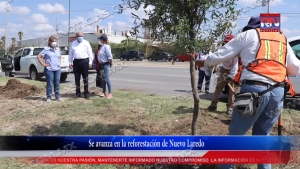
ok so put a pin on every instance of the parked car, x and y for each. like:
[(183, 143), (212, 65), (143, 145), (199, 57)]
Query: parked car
[(25, 62), (182, 58), (161, 56), (4, 57), (132, 54), (295, 80)]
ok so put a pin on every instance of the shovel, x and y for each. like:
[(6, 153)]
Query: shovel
[(283, 156)]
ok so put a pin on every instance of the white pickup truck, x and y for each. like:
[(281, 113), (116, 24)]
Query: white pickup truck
[(25, 62)]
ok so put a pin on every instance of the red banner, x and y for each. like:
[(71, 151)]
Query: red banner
[(211, 157)]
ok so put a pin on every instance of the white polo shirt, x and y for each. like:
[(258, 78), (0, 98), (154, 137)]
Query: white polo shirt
[(81, 50), (201, 56)]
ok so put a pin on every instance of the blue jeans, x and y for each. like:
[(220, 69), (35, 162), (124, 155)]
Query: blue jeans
[(52, 77), (263, 121), (106, 80), (201, 78)]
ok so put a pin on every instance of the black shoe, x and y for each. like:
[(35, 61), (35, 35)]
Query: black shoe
[(77, 96), (211, 108), (87, 97)]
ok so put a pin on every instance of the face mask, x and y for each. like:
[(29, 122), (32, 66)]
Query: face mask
[(53, 44), (80, 39), (100, 43)]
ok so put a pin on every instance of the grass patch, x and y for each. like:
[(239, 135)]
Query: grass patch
[(127, 113)]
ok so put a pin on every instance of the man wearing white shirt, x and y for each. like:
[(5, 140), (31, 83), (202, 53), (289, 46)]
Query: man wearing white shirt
[(202, 75), (229, 69), (80, 59)]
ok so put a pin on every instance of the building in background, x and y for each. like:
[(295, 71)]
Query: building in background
[(113, 36)]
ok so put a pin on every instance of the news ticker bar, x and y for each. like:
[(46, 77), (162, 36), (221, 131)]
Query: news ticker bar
[(210, 157), (149, 142)]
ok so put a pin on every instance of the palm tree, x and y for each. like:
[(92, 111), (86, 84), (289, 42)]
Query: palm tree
[(13, 44), (4, 41), (20, 37)]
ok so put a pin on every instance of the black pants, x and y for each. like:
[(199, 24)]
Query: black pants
[(81, 68), (98, 78)]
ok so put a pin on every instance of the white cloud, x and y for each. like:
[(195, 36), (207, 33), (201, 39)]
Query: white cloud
[(43, 27), (283, 19), (21, 10), (87, 24), (140, 12), (51, 8), (255, 3), (35, 19), (122, 25), (294, 6), (293, 32)]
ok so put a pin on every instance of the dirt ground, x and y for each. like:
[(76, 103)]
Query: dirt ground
[(16, 89), (134, 115)]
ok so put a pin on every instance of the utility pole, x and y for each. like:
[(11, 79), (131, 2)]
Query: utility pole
[(266, 3), (57, 12), (69, 25), (6, 30)]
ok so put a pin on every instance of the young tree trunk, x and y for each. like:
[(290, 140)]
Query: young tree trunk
[(195, 94)]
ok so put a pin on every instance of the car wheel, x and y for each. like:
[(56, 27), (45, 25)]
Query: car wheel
[(9, 74), (34, 74), (164, 59), (150, 59), (141, 59), (128, 59), (121, 58), (134, 59), (177, 60)]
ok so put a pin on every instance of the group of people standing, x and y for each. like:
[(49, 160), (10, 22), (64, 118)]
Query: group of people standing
[(80, 59)]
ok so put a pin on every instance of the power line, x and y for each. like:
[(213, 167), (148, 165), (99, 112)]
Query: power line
[(93, 2)]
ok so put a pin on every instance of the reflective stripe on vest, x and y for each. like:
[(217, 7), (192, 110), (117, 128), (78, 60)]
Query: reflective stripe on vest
[(239, 72)]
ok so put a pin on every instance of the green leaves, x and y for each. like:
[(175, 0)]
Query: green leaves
[(188, 24)]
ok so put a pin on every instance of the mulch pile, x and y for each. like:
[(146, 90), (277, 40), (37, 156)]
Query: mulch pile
[(15, 89)]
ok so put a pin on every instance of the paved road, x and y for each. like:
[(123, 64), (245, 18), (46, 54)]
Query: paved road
[(152, 79)]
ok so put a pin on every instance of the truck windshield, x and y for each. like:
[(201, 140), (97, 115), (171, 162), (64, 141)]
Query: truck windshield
[(36, 51)]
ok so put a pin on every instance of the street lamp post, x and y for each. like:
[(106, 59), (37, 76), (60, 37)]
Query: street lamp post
[(69, 25)]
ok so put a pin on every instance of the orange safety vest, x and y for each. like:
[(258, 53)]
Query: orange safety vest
[(270, 59)]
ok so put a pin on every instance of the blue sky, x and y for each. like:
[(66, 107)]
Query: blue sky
[(37, 18)]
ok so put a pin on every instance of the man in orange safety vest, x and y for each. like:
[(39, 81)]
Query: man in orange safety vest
[(266, 60)]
